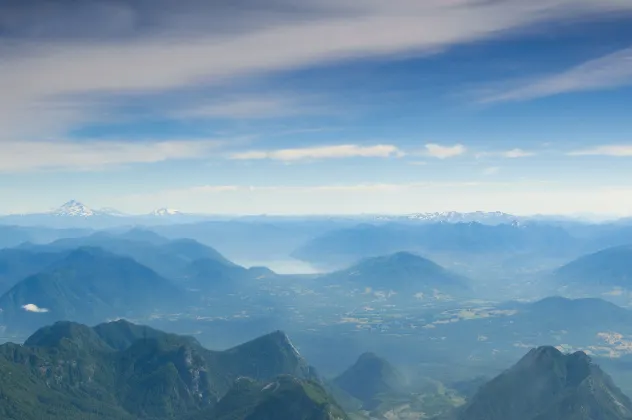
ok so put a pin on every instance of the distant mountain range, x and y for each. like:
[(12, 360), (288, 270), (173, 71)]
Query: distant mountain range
[(492, 218), (124, 371), (76, 214), (170, 258), (345, 246), (74, 209)]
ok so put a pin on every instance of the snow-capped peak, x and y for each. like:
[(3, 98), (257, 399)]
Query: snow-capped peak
[(74, 208), (166, 212)]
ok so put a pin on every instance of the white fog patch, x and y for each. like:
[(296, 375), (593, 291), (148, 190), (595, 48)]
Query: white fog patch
[(30, 307)]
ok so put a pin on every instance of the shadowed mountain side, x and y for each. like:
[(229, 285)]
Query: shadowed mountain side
[(88, 285)]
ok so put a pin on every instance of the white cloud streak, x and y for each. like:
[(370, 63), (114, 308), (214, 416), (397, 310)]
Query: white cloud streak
[(517, 153), (622, 150), (324, 152), (444, 152), (492, 170), (83, 156), (606, 72), (256, 107)]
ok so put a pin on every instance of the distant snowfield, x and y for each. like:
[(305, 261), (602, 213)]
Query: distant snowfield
[(289, 266)]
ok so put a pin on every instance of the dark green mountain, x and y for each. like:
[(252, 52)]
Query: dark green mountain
[(124, 371), (403, 273), (285, 397), (369, 378), (549, 385), (607, 269), (88, 285)]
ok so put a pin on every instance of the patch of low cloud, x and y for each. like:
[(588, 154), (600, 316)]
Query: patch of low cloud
[(31, 307), (444, 152), (324, 152), (492, 170), (620, 150), (509, 154)]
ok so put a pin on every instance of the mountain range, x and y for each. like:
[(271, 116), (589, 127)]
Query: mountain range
[(125, 371), (345, 246), (170, 258), (78, 215), (106, 275)]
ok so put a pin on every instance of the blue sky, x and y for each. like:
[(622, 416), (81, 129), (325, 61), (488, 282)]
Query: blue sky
[(317, 107)]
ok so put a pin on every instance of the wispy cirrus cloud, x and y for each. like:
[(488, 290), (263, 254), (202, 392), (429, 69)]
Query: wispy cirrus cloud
[(86, 156), (610, 71), (620, 150), (257, 106), (444, 152), (324, 152), (99, 48)]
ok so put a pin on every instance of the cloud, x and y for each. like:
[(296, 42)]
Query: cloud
[(444, 152), (324, 152), (509, 154), (30, 307), (606, 72), (255, 107), (492, 170), (100, 48), (622, 150), (516, 153), (33, 155)]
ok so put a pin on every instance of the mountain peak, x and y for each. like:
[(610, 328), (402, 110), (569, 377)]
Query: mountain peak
[(73, 333), (280, 357), (547, 383), (282, 339), (370, 376), (74, 208)]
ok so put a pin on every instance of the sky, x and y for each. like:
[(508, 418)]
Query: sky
[(317, 106)]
